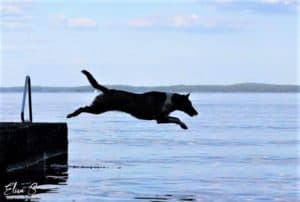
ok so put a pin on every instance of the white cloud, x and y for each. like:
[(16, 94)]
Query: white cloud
[(20, 1), (187, 22), (140, 23), (10, 9), (13, 25), (274, 6), (82, 22), (16, 14), (270, 1), (252, 1), (286, 2), (6, 48), (184, 20), (78, 23), (59, 17)]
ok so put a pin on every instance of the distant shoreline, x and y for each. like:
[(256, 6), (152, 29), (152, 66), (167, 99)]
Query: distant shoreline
[(235, 88)]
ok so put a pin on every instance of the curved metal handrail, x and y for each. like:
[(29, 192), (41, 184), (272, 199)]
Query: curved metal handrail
[(27, 89)]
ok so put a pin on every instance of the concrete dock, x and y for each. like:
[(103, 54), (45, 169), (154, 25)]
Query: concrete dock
[(25, 144)]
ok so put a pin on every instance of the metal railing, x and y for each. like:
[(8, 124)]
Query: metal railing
[(27, 89)]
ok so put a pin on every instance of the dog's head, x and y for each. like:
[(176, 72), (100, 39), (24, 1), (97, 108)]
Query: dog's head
[(183, 103)]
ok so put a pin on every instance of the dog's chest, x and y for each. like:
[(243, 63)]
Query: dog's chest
[(168, 104)]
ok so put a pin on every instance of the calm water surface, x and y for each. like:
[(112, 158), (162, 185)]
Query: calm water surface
[(241, 147)]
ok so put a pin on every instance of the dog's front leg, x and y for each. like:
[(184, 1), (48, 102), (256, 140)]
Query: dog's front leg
[(80, 110), (171, 119)]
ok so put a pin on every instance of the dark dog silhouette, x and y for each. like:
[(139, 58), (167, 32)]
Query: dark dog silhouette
[(148, 106)]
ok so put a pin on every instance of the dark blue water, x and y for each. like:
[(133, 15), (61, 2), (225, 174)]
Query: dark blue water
[(241, 147)]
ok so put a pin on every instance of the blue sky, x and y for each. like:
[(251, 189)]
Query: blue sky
[(149, 42)]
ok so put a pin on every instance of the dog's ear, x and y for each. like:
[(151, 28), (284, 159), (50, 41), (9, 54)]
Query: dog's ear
[(187, 95)]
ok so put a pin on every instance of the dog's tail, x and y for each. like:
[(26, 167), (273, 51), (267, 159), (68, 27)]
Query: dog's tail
[(93, 81)]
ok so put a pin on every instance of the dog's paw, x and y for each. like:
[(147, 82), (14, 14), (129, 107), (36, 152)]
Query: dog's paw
[(69, 116), (183, 126)]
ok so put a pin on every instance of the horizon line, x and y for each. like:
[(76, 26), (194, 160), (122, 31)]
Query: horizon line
[(168, 85)]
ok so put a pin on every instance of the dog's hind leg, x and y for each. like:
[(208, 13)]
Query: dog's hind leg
[(171, 119), (86, 109)]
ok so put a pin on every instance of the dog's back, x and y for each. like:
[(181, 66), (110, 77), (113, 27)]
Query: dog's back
[(144, 106)]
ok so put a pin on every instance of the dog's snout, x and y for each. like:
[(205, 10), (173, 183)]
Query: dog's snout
[(195, 112)]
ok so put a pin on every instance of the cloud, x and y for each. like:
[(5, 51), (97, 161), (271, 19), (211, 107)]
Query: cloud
[(9, 10), (184, 21), (82, 22), (13, 25), (261, 6), (76, 23), (16, 14), (140, 23), (285, 2), (14, 48), (190, 22)]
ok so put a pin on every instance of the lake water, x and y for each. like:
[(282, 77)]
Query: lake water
[(241, 147)]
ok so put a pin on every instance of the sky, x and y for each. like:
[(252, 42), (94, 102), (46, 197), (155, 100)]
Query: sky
[(149, 43)]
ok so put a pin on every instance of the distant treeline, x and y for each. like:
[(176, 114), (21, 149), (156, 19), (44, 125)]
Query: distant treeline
[(244, 87)]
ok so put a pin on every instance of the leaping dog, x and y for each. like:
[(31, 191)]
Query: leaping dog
[(148, 106)]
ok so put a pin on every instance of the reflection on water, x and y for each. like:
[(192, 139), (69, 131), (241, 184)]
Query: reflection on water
[(27, 184), (166, 197)]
